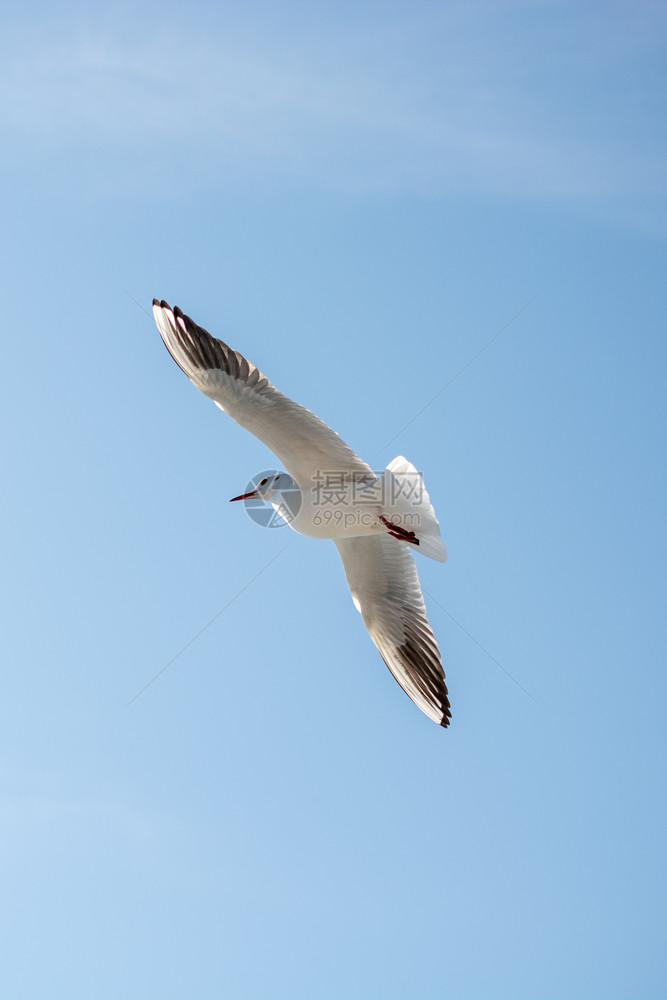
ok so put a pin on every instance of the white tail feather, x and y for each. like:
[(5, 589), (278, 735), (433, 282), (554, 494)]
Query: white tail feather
[(409, 505)]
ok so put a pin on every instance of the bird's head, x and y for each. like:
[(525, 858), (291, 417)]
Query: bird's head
[(267, 486)]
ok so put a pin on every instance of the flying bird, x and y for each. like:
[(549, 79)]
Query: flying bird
[(375, 521)]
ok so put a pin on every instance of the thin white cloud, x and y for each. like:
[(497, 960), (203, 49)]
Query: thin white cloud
[(441, 103)]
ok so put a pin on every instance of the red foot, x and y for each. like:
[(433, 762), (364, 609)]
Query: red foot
[(396, 531)]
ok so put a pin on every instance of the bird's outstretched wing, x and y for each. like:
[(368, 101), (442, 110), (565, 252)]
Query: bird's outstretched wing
[(304, 444), (382, 577)]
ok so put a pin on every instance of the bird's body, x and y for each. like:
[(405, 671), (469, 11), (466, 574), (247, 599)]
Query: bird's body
[(376, 521)]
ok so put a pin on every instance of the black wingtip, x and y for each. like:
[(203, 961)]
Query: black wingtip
[(445, 720), (156, 302)]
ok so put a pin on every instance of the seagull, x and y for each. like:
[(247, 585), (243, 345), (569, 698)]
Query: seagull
[(376, 521)]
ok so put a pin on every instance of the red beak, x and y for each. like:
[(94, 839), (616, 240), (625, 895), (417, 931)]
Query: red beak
[(244, 496)]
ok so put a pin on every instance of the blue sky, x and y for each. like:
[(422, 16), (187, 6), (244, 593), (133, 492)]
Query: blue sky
[(358, 197)]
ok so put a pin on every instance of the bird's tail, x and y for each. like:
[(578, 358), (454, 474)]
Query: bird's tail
[(408, 504)]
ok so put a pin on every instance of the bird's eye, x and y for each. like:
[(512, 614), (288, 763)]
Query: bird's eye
[(263, 482)]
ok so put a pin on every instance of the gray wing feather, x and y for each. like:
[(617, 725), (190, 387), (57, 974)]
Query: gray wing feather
[(303, 443), (382, 577)]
